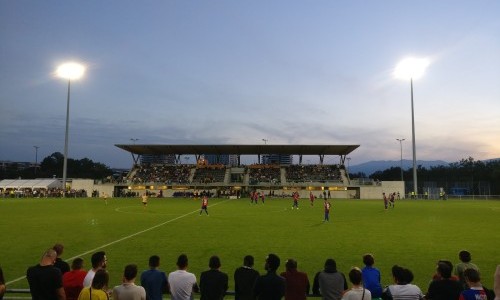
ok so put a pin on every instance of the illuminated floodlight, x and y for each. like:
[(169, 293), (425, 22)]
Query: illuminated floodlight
[(70, 71), (411, 68)]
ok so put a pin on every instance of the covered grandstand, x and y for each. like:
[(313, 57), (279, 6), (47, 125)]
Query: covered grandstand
[(182, 178)]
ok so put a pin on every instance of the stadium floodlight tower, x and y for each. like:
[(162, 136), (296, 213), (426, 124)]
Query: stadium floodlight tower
[(69, 71), (412, 68)]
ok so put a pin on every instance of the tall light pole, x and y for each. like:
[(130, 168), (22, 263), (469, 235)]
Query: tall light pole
[(265, 141), (134, 140), (401, 161), (69, 71), (412, 68), (36, 157)]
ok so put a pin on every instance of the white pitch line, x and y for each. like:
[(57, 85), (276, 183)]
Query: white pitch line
[(124, 238)]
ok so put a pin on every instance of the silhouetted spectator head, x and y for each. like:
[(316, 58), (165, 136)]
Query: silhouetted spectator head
[(444, 269), (101, 279), (368, 259), (2, 279), (182, 261), (59, 248), (330, 265), (248, 261), (214, 262), (464, 256), (402, 275), (291, 264), (98, 260), (472, 275), (355, 276), (272, 262), (130, 272), (77, 264), (154, 261)]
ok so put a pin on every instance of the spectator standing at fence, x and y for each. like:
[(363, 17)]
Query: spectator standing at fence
[(297, 283), (475, 290), (244, 279), (329, 283), (270, 286), (182, 284), (402, 287), (99, 261), (496, 283), (60, 264), (2, 284), (128, 290), (73, 280), (358, 291), (98, 289), (371, 276), (465, 263), (153, 280), (444, 287), (213, 283), (45, 280)]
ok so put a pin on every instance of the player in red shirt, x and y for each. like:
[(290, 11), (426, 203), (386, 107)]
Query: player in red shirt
[(295, 200), (327, 206), (204, 205), (311, 198)]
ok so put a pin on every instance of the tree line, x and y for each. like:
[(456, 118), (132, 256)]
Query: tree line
[(52, 166), (475, 176)]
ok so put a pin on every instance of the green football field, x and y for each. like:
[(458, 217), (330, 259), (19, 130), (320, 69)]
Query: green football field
[(416, 234)]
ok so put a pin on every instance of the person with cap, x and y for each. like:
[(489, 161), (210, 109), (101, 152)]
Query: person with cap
[(270, 286)]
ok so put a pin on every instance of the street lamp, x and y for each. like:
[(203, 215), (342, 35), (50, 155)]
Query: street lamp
[(134, 140), (412, 68), (265, 141), (36, 157), (401, 164), (69, 71)]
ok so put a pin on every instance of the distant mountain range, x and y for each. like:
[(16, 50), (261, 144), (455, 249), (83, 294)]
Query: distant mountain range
[(380, 165)]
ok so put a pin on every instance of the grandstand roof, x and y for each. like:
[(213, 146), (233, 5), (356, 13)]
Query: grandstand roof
[(240, 149)]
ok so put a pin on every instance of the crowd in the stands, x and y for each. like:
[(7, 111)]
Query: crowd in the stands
[(319, 173)]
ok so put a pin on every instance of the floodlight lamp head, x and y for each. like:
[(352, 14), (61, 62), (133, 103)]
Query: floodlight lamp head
[(70, 71), (411, 68)]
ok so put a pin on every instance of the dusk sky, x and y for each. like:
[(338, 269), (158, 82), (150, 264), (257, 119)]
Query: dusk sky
[(236, 72)]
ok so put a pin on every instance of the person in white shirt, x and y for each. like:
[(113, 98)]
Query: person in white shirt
[(182, 284), (357, 292), (99, 261)]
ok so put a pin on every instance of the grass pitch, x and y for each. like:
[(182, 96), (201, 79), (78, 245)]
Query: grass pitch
[(415, 234)]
